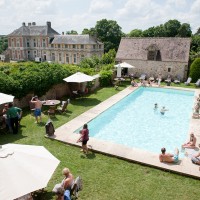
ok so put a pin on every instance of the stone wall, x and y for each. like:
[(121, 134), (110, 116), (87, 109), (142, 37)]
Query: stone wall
[(152, 68), (56, 92)]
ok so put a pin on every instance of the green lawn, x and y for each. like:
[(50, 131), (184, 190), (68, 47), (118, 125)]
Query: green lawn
[(104, 177)]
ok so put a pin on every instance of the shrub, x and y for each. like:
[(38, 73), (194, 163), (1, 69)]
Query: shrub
[(105, 78), (195, 70)]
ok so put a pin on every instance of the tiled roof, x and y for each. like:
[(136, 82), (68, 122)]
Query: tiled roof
[(171, 49), (75, 39), (34, 31)]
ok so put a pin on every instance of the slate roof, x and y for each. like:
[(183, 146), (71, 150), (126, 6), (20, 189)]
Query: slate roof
[(74, 39), (34, 30), (171, 49)]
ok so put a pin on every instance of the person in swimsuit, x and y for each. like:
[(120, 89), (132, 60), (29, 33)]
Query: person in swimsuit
[(167, 157), (196, 159), (38, 107), (162, 111), (84, 137), (192, 143), (155, 106)]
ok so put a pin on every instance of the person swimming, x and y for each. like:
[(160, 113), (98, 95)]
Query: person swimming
[(155, 106), (162, 111)]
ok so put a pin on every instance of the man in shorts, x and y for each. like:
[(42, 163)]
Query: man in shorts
[(38, 107), (167, 157)]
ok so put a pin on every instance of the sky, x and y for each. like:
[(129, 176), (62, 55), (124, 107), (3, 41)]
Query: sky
[(66, 15)]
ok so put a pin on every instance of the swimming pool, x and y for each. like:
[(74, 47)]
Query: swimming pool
[(133, 122)]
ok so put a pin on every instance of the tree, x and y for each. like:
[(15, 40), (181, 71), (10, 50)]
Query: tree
[(90, 31), (135, 33), (72, 32), (3, 43), (198, 31), (149, 32), (184, 30), (159, 31), (109, 32), (195, 70), (171, 28)]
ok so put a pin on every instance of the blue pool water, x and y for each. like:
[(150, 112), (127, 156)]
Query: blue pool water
[(133, 121)]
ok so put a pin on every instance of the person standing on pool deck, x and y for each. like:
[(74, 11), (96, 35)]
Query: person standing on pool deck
[(38, 107), (84, 138), (167, 157)]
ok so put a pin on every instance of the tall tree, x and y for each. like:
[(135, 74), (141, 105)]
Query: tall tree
[(171, 28), (198, 31), (109, 32), (90, 31), (149, 32), (72, 32), (135, 33), (184, 30)]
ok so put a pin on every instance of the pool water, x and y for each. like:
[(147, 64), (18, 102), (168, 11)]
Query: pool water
[(133, 122)]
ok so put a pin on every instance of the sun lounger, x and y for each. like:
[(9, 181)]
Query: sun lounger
[(188, 81), (168, 80), (197, 83), (177, 79), (142, 77)]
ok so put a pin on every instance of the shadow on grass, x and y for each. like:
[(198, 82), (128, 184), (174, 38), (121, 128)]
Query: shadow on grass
[(90, 155), (7, 137), (43, 195), (85, 102)]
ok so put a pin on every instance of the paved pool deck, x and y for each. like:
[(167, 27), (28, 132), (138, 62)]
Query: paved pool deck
[(66, 134)]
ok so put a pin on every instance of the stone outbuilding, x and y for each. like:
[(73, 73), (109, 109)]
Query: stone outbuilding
[(151, 56)]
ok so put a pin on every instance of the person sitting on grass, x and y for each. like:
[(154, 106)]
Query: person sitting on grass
[(191, 144), (167, 157), (134, 83)]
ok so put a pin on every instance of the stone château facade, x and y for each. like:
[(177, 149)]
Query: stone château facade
[(30, 42), (150, 56)]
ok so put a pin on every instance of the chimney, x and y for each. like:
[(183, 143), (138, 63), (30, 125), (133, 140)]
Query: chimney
[(29, 24), (33, 23), (23, 24), (63, 33), (49, 24)]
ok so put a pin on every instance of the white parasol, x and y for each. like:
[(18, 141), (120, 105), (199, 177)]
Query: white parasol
[(79, 78), (5, 98), (24, 169)]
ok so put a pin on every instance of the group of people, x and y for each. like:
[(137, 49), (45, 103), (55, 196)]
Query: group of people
[(174, 158), (162, 110), (12, 116)]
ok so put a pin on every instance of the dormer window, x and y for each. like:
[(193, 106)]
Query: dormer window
[(153, 53)]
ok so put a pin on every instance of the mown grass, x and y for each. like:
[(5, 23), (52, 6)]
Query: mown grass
[(104, 177)]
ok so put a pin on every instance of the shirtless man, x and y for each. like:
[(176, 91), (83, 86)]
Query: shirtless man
[(167, 157), (38, 107)]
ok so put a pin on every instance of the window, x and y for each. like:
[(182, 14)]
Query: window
[(29, 56), (35, 54), (51, 45), (58, 45), (74, 58), (74, 46), (18, 43), (66, 46), (60, 57), (43, 43), (34, 42), (154, 53), (94, 46), (82, 46), (169, 69), (82, 57), (53, 56), (27, 42), (67, 58), (99, 46), (12, 43)]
